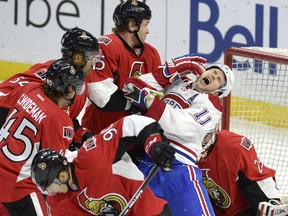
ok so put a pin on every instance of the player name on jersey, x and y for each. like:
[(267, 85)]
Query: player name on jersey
[(31, 108)]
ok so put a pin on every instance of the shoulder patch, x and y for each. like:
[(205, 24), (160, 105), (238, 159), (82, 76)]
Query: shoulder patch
[(104, 40), (68, 132), (246, 143)]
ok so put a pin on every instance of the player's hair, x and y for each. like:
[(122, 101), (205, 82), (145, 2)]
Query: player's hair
[(61, 74)]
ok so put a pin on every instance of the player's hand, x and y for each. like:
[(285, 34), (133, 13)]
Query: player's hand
[(140, 93), (185, 64), (162, 154), (80, 133)]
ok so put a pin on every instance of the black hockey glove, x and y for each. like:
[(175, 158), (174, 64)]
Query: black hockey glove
[(162, 154)]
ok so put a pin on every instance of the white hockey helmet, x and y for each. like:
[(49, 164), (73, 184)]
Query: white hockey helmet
[(229, 77)]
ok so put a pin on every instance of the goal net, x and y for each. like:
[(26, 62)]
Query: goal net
[(258, 104)]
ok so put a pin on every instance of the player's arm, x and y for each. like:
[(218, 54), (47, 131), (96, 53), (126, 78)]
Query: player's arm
[(173, 69), (256, 181), (149, 134), (106, 96), (102, 91)]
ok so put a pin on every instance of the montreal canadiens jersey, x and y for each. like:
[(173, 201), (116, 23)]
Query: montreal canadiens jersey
[(33, 123), (233, 161), (104, 184), (37, 74), (118, 62), (186, 117)]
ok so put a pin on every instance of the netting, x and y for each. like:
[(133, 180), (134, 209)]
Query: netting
[(259, 104)]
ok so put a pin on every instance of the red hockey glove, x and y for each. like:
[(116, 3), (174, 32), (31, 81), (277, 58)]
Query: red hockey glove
[(178, 66), (161, 153), (140, 93)]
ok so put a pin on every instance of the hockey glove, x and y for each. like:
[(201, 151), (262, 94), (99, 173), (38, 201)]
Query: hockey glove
[(80, 133), (181, 65), (161, 153), (271, 208), (140, 93)]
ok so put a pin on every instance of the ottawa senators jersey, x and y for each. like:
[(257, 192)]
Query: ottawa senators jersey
[(104, 183), (33, 123), (37, 74), (118, 62), (232, 170)]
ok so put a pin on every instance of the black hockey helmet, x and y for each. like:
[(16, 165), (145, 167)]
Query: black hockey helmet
[(131, 9), (63, 73), (78, 39), (46, 166)]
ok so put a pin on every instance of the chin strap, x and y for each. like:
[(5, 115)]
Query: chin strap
[(137, 36)]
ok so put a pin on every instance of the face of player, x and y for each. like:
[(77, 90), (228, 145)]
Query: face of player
[(86, 60), (143, 30), (210, 81), (68, 97), (58, 185)]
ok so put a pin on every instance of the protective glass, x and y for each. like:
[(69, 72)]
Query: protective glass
[(93, 56)]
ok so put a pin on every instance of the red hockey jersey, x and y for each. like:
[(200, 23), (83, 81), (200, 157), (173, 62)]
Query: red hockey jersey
[(37, 73), (233, 156), (106, 186), (33, 123), (118, 63)]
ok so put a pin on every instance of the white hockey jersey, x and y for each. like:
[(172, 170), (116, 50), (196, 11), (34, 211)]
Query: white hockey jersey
[(189, 116)]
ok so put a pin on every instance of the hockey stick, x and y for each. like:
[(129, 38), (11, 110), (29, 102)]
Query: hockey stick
[(140, 190)]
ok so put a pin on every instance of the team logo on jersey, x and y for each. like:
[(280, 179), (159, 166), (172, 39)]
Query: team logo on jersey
[(136, 69), (216, 193), (104, 40), (68, 132), (109, 204), (246, 143)]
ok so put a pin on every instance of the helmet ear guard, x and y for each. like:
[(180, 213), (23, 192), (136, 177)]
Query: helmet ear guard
[(229, 77)]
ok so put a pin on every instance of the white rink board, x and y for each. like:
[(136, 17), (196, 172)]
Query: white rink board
[(177, 27)]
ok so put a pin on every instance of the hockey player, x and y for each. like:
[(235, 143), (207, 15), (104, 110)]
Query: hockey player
[(78, 46), (236, 179), (124, 54), (186, 114), (36, 120), (102, 179)]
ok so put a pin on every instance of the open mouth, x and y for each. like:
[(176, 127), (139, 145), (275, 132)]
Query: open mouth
[(206, 80)]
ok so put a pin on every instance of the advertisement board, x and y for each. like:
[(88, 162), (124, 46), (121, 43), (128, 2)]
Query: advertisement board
[(31, 30)]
